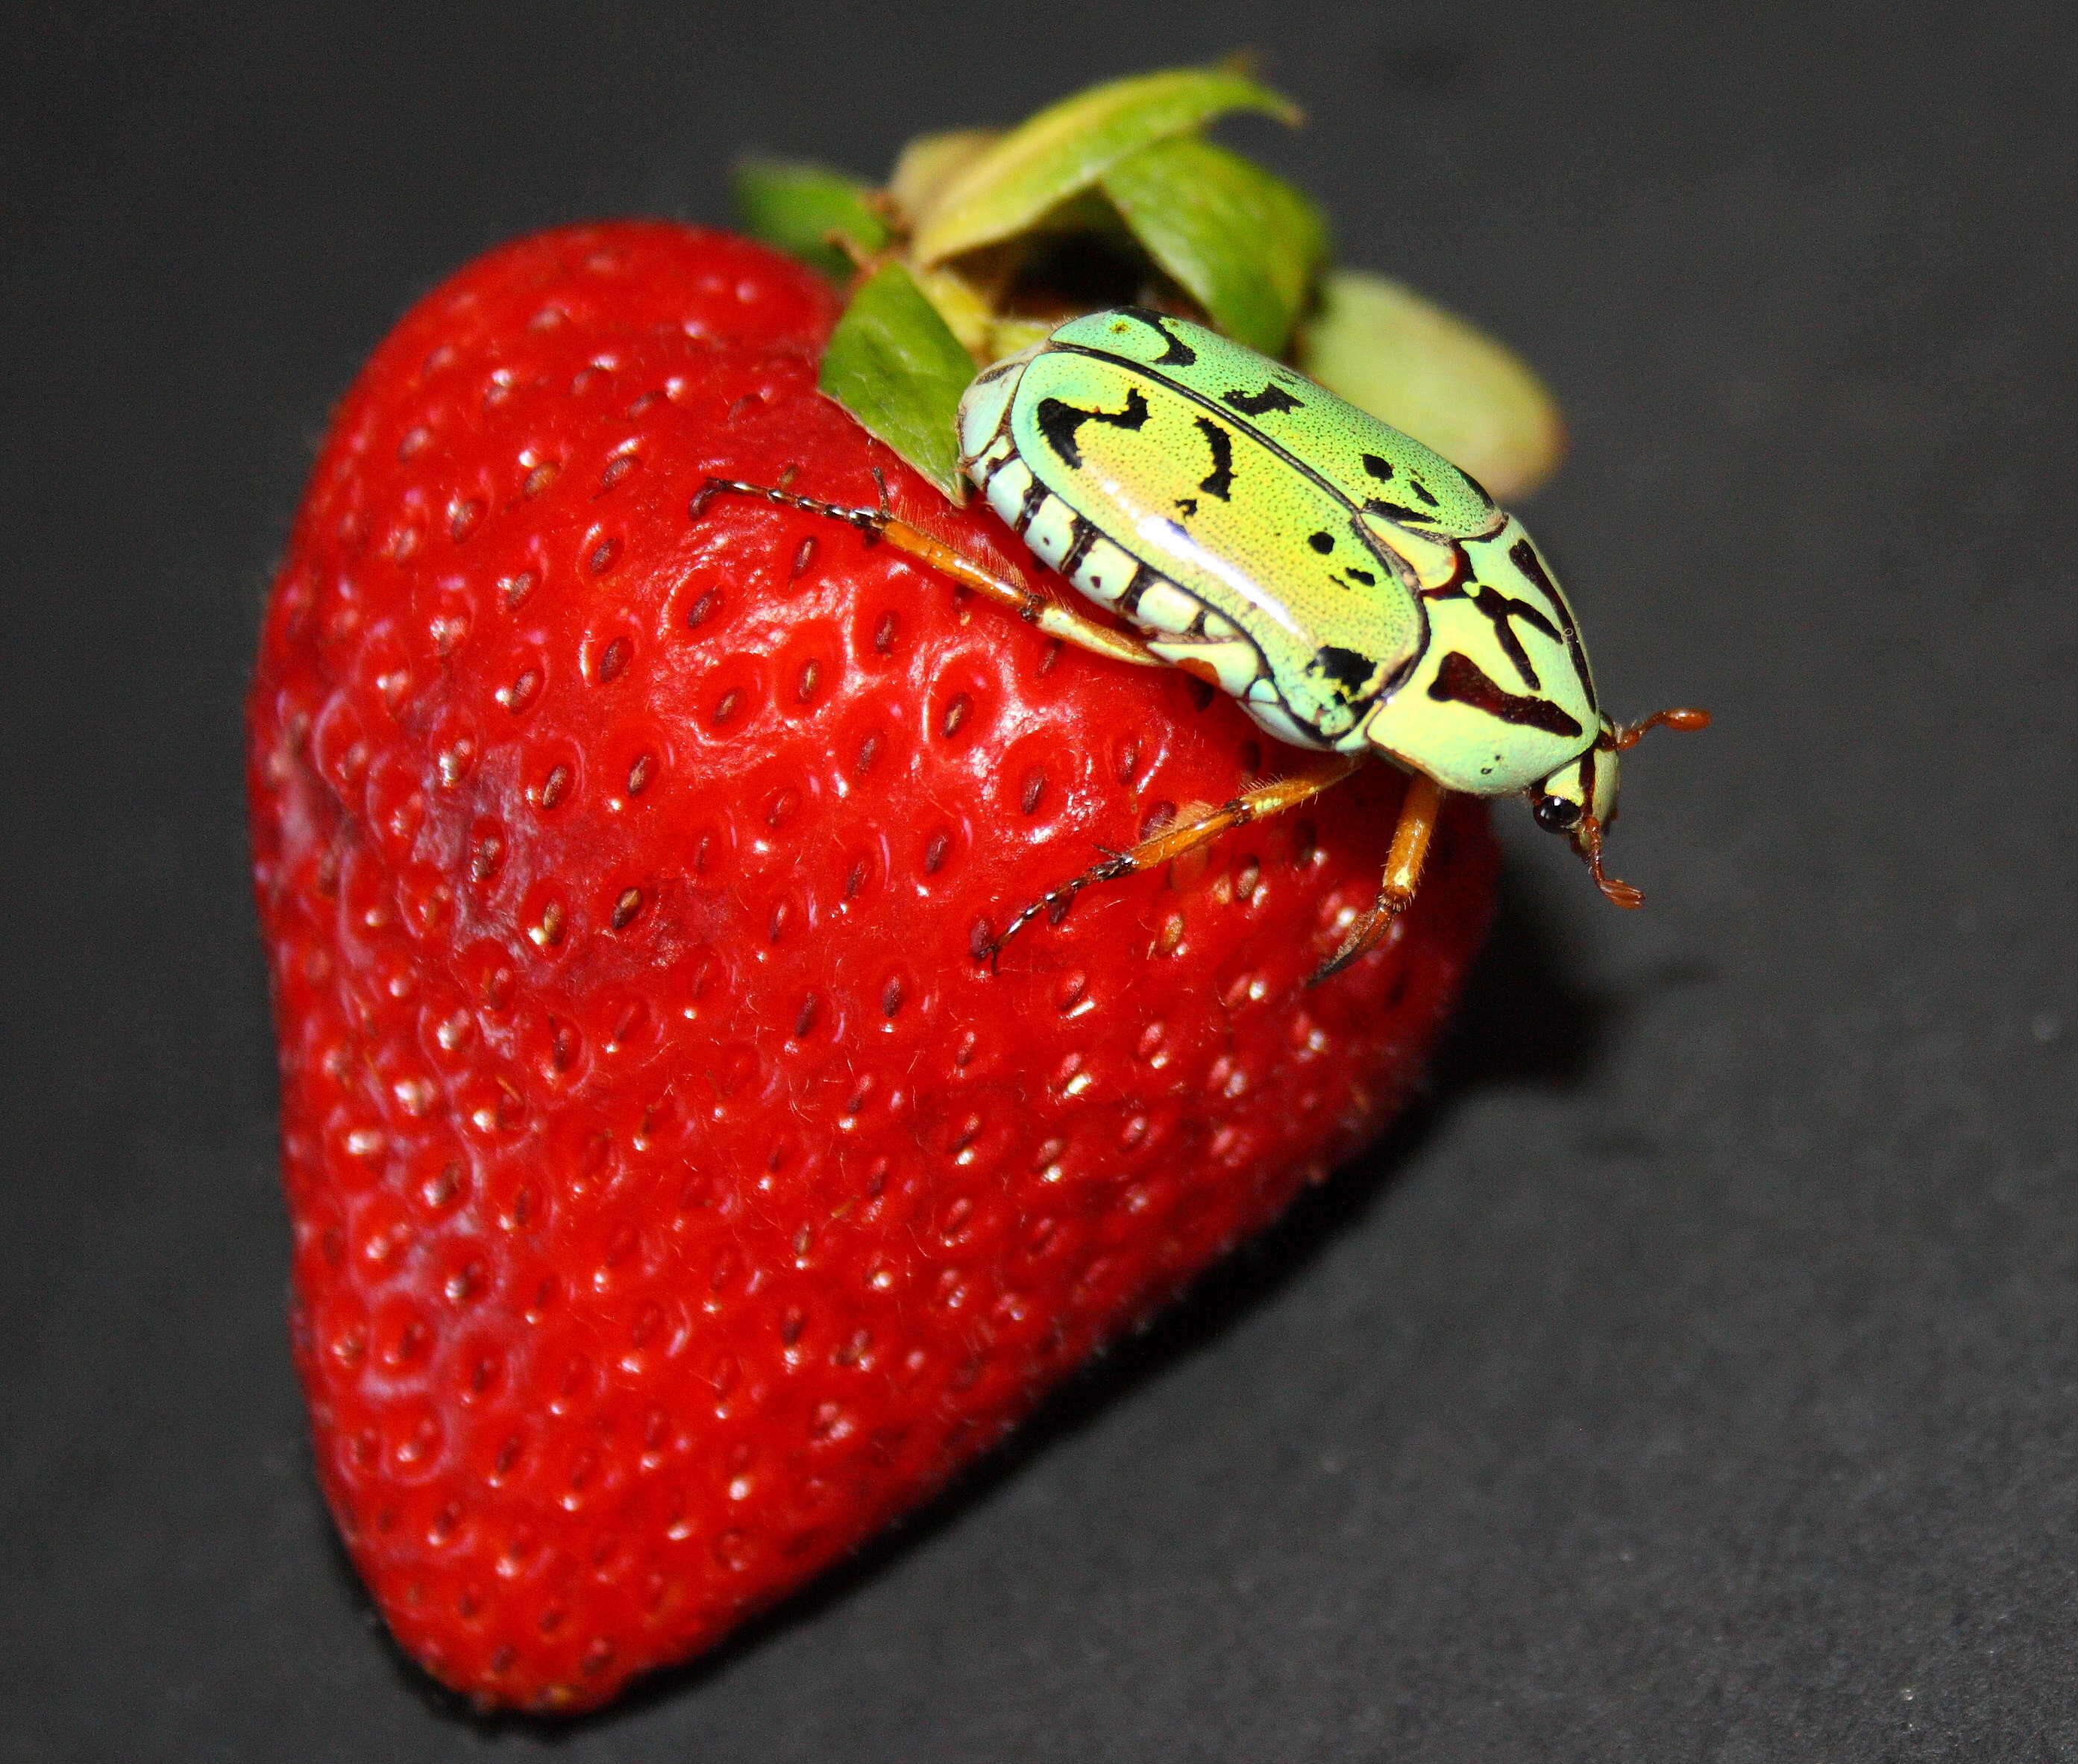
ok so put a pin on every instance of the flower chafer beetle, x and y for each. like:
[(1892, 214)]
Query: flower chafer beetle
[(1358, 594)]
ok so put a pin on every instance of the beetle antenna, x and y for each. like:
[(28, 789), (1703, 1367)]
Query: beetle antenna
[(1630, 734), (1617, 891)]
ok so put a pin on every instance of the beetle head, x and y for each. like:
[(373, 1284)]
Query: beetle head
[(1580, 799)]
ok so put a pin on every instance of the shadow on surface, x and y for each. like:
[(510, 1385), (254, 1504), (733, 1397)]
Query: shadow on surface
[(1526, 1018)]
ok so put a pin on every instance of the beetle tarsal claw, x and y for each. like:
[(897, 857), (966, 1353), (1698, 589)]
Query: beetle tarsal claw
[(1054, 903), (1365, 936), (1617, 891)]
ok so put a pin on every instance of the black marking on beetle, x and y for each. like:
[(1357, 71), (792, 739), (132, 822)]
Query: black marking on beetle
[(1400, 511), (1523, 555), (1219, 481), (1143, 579), (1460, 680), (1028, 510), (1187, 506), (1178, 354), (1323, 543), (1587, 794), (1382, 470), (1059, 422), (1083, 536), (1273, 396), (1347, 672), (1498, 609)]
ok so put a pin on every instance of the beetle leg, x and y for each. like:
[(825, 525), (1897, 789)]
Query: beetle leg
[(1615, 889), (1052, 616), (1418, 814), (1174, 842)]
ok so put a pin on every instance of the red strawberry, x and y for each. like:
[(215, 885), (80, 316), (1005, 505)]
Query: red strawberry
[(676, 1198)]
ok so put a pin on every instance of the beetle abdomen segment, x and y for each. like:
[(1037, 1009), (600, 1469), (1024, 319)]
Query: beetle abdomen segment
[(1160, 605), (1102, 571), (1233, 667), (1050, 532), (1273, 719)]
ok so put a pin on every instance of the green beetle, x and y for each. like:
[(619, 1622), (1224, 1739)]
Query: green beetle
[(1358, 593)]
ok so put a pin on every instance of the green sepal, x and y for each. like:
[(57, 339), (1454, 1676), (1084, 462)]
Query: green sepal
[(799, 207), (1436, 376), (894, 363), (1069, 146), (1242, 241)]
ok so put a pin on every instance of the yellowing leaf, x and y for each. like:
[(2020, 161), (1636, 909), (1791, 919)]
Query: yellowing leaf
[(1442, 379), (1069, 146), (964, 307), (928, 163)]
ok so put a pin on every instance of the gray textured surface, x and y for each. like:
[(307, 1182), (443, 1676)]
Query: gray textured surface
[(1693, 1379)]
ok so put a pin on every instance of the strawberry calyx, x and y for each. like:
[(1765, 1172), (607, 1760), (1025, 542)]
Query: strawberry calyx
[(981, 241)]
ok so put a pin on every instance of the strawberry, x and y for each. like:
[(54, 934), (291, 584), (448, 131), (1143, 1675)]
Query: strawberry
[(676, 1197)]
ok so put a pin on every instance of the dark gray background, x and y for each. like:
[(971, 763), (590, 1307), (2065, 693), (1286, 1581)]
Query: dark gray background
[(1695, 1377)]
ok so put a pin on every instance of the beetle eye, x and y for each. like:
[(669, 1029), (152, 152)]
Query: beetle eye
[(1555, 815)]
